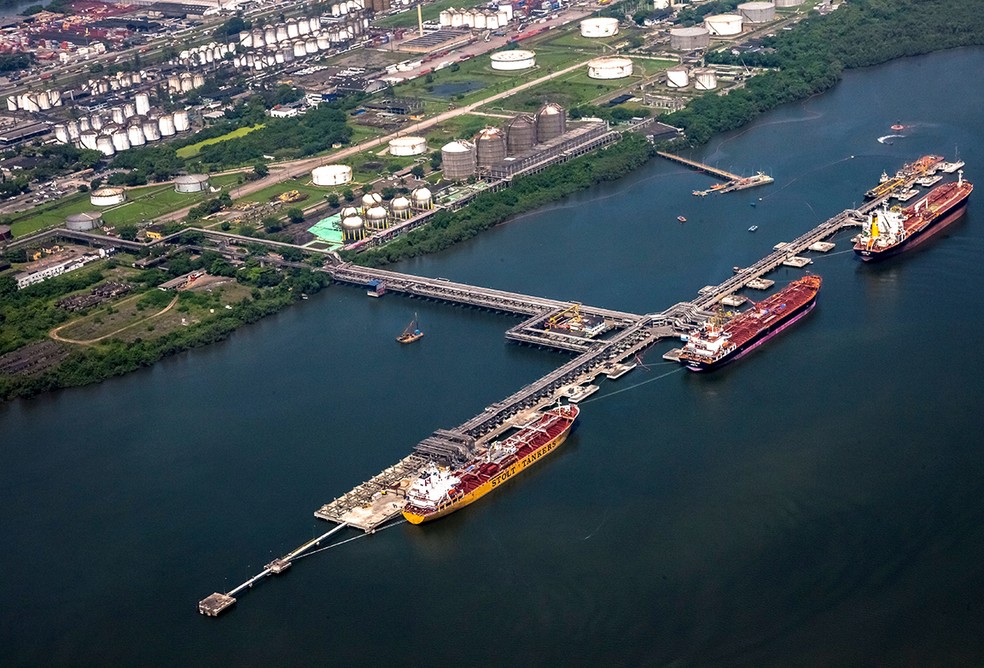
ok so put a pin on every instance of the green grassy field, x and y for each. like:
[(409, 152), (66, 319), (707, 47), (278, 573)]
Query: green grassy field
[(465, 126), (192, 150)]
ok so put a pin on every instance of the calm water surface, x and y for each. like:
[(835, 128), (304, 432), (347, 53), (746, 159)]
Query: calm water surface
[(819, 503)]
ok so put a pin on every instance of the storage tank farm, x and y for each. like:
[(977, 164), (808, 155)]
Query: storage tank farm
[(758, 12), (490, 147), (520, 134), (551, 122), (689, 39), (458, 160)]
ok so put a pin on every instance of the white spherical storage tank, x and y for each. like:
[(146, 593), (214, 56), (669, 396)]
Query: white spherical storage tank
[(517, 59), (599, 27), (705, 79), (757, 12), (609, 68), (407, 146), (191, 183), (331, 175), (677, 77), (107, 196), (724, 25)]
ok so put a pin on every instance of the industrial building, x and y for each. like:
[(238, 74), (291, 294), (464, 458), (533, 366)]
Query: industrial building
[(579, 138)]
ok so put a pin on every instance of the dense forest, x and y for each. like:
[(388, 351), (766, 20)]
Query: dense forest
[(811, 57)]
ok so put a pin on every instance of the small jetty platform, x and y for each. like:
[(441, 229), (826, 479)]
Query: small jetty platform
[(672, 355), (616, 371), (376, 501), (733, 300), (797, 261), (821, 247), (732, 182), (760, 283)]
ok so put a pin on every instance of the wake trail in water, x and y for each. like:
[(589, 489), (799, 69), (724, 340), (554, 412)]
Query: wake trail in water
[(633, 387)]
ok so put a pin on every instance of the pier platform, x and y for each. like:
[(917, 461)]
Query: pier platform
[(376, 501), (797, 262), (821, 247)]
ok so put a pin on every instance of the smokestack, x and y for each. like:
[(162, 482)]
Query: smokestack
[(420, 21)]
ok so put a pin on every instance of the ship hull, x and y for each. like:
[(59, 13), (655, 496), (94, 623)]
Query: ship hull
[(939, 224), (757, 340), (492, 483)]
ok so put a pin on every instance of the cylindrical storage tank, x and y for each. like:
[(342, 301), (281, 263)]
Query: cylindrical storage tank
[(151, 130), (376, 218), (208, 56), (551, 122), (182, 122), (96, 122), (314, 23), (61, 133), (87, 139), (457, 19), (129, 110), (490, 147), (520, 134), (599, 27), (299, 50), (278, 57), (83, 222), (342, 8), (369, 200), (303, 26), (136, 135), (705, 79), (478, 20), (191, 183), (246, 39), (458, 160), (270, 35), (187, 82), (323, 42), (44, 102), (288, 54), (518, 59), (353, 228), (107, 196), (444, 18), (73, 130), (492, 21), (788, 3), (609, 68), (166, 124), (723, 25), (174, 83), (677, 77), (197, 80), (121, 139), (291, 29), (186, 55), (688, 39), (331, 175), (141, 103), (104, 143), (117, 115), (757, 12), (258, 41), (85, 124), (282, 33), (336, 10), (311, 46), (12, 103), (400, 206), (402, 146), (421, 198), (56, 98)]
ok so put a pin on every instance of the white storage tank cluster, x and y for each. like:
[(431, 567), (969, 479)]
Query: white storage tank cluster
[(286, 42), (403, 146), (118, 81), (613, 67), (191, 183), (758, 12), (724, 25), (331, 175), (124, 126), (704, 79), (107, 196), (480, 18), (677, 77), (599, 27), (185, 82), (688, 39), (35, 101), (516, 59), (204, 55)]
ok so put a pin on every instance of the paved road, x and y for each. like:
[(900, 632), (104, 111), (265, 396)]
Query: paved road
[(282, 171)]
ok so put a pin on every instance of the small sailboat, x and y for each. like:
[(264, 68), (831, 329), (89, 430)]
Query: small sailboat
[(411, 333)]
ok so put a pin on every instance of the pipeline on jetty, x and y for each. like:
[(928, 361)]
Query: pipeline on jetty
[(379, 500)]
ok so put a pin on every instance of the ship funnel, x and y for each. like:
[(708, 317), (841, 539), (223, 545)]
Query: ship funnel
[(960, 178)]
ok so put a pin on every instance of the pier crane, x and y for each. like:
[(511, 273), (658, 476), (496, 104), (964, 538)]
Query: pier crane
[(567, 317)]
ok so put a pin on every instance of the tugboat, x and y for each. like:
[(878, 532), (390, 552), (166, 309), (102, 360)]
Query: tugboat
[(411, 333)]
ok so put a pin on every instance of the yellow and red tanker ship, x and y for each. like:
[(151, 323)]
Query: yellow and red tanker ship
[(439, 491)]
